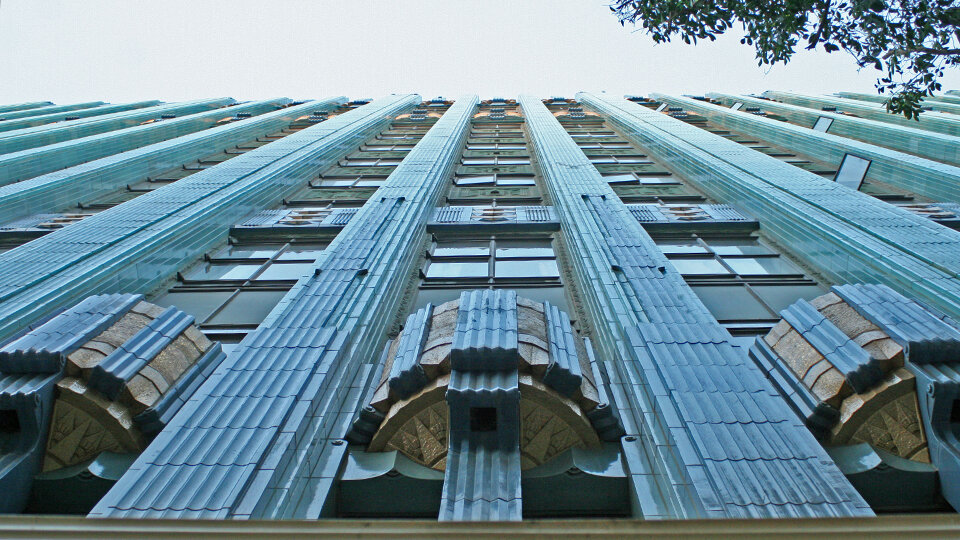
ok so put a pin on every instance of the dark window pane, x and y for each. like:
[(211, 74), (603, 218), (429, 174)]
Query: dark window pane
[(731, 302), (337, 182), (620, 178), (475, 180), (457, 270), (745, 246), (248, 307), (521, 268), (200, 304), (690, 267), (516, 181), (221, 272), (660, 180), (286, 271), (461, 249), (248, 251), (779, 297), (508, 249), (762, 266), (682, 246), (554, 295), (302, 252)]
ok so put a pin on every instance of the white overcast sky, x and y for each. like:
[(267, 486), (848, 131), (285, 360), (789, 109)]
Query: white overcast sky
[(123, 50)]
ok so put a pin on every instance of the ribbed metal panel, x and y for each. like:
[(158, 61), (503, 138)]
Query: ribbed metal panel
[(17, 166), (136, 245), (939, 103), (113, 372), (926, 177), (13, 115), (480, 483), (58, 190), (100, 110), (406, 374), (907, 138), (931, 121), (24, 106), (293, 386), (44, 349), (486, 334), (563, 373), (818, 415), (152, 420), (847, 235), (856, 365), (924, 337), (23, 139), (673, 372)]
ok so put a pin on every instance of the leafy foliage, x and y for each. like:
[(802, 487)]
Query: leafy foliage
[(911, 41)]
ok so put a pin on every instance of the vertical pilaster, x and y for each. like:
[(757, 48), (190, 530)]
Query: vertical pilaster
[(845, 234), (134, 246), (263, 436), (945, 123), (939, 181), (908, 138), (22, 139), (673, 372)]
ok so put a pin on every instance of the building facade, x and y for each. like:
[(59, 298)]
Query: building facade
[(657, 307)]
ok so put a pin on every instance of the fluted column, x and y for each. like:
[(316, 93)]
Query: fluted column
[(136, 245), (699, 415), (263, 437), (846, 235)]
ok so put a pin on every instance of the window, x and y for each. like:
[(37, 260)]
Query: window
[(633, 178), (526, 264), (359, 162), (496, 146), (495, 180), (743, 282), (495, 160), (361, 180), (852, 171), (236, 286), (605, 160), (823, 124)]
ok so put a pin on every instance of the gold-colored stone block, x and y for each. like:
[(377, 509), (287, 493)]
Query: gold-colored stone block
[(886, 417)]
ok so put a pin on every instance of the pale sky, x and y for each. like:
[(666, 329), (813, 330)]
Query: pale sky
[(126, 50)]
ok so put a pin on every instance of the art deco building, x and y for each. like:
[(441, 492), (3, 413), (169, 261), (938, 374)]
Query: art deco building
[(656, 307)]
